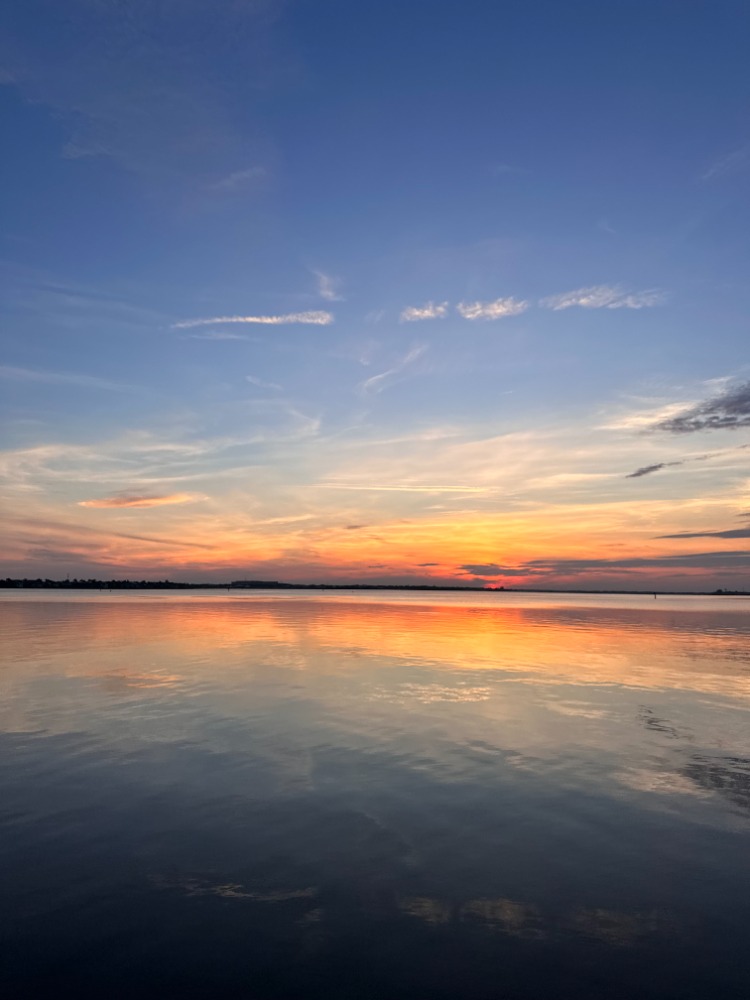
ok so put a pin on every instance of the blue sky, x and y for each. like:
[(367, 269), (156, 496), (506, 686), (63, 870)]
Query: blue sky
[(334, 291)]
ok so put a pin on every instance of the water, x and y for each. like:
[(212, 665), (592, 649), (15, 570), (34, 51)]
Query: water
[(374, 795)]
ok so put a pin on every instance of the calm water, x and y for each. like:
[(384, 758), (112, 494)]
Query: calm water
[(360, 796)]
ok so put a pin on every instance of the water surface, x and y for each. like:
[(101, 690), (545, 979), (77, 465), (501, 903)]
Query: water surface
[(271, 795)]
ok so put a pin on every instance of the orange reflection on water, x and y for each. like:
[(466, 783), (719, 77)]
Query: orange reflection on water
[(705, 651)]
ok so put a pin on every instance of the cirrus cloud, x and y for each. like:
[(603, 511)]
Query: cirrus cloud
[(603, 297), (316, 317), (498, 309), (140, 500)]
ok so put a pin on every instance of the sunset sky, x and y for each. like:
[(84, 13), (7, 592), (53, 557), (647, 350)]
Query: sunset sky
[(446, 292)]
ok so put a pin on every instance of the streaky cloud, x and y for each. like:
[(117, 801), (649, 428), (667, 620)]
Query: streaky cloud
[(63, 378), (729, 533), (217, 335), (376, 383), (404, 488), (491, 569), (731, 558), (731, 163), (253, 380), (430, 310), (603, 297), (316, 317), (239, 179), (329, 287), (140, 500), (646, 470), (498, 309)]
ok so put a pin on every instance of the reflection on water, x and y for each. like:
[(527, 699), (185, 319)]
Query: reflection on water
[(264, 795)]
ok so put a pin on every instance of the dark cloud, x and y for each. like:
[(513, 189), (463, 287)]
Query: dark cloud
[(428, 564), (646, 470), (356, 527), (732, 559), (491, 569), (729, 533), (727, 411)]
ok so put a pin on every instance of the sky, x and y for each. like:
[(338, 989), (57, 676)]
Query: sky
[(450, 293)]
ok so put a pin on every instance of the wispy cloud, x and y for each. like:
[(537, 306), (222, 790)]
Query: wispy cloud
[(646, 470), (239, 179), (430, 310), (646, 418), (404, 488), (374, 316), (491, 569), (497, 309), (729, 410), (65, 530), (329, 287), (603, 297), (315, 318), (217, 335), (500, 169), (63, 378), (379, 382), (253, 380), (731, 163), (141, 500), (729, 533)]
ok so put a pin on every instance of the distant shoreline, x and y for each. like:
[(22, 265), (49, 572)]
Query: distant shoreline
[(244, 585)]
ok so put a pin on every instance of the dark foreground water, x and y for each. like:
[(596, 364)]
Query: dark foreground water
[(335, 797)]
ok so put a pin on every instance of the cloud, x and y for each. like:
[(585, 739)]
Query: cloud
[(730, 559), (646, 470), (430, 310), (728, 410), (732, 163), (492, 310), (63, 378), (503, 169), (65, 531), (261, 384), (314, 317), (145, 500), (374, 316), (329, 287), (217, 335), (377, 383), (491, 569), (729, 533), (403, 487), (239, 179), (603, 297)]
